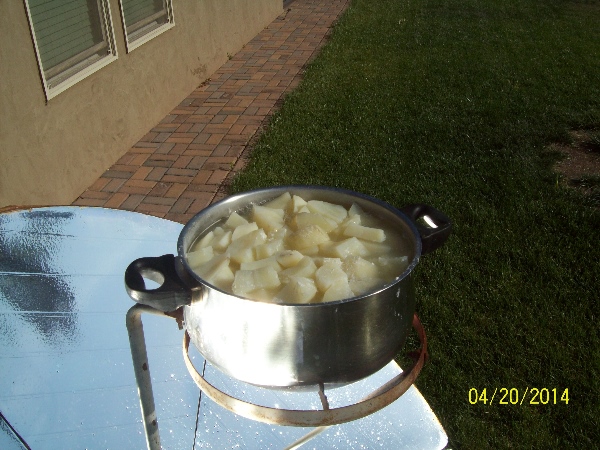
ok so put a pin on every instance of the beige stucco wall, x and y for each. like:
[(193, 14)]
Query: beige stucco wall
[(50, 152)]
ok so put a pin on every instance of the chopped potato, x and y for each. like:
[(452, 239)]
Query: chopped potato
[(268, 219), (205, 241), (329, 274), (267, 249), (249, 280), (335, 212), (349, 247), (338, 291), (266, 262), (200, 256), (216, 271), (235, 220), (305, 268), (307, 236), (281, 202), (297, 290), (289, 258), (221, 242), (365, 233), (243, 229), (297, 203), (289, 250), (358, 268), (304, 219)]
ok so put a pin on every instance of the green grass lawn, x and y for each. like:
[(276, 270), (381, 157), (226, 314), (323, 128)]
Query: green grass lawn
[(455, 103)]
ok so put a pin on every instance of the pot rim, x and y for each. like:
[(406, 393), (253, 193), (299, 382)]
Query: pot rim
[(278, 190)]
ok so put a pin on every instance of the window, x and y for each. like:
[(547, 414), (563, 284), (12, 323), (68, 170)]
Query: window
[(72, 39), (145, 19)]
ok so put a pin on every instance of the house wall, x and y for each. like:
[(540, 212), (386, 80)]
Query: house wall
[(52, 151)]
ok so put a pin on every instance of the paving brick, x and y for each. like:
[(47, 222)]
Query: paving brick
[(177, 179), (154, 200), (134, 190), (200, 204), (99, 184), (89, 202), (181, 205), (217, 177), (176, 190), (165, 148), (110, 173), (146, 184), (202, 177), (156, 173), (114, 185), (116, 200), (160, 189), (195, 188), (183, 162), (214, 139), (98, 195), (142, 172), (182, 172)]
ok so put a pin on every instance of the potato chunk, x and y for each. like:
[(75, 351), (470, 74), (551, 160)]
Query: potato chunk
[(304, 219), (266, 262), (349, 247), (267, 249), (235, 220), (305, 268), (307, 236), (297, 203), (200, 256), (268, 219), (281, 202), (243, 229), (297, 290), (329, 274), (217, 272), (365, 233), (246, 281), (335, 212), (289, 258), (358, 268), (221, 241), (242, 249), (340, 290)]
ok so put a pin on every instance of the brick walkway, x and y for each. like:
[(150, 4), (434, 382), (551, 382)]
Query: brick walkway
[(180, 166)]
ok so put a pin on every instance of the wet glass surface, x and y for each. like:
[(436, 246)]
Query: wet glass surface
[(67, 377)]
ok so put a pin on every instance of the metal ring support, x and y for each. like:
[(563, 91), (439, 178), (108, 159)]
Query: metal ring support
[(377, 400)]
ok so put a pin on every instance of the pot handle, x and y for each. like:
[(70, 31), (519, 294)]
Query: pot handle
[(439, 226), (172, 292)]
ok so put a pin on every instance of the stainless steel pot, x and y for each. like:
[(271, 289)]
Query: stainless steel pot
[(282, 345)]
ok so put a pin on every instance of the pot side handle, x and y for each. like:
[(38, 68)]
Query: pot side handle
[(438, 228), (172, 292)]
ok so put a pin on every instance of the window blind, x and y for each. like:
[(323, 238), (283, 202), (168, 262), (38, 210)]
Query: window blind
[(141, 17), (67, 31)]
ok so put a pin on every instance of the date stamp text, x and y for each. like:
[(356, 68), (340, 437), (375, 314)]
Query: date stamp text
[(514, 396)]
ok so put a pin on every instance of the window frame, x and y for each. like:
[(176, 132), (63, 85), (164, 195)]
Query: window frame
[(132, 44), (68, 73)]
